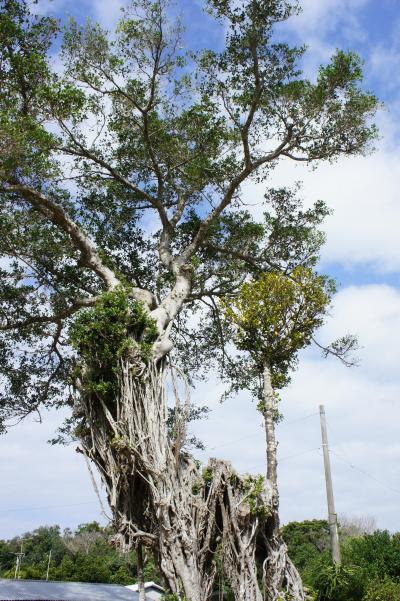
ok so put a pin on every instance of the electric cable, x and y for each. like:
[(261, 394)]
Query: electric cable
[(248, 436), (362, 471)]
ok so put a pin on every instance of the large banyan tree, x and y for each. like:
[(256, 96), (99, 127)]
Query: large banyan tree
[(122, 162)]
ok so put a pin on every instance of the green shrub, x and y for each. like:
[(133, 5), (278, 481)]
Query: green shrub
[(340, 583), (383, 590)]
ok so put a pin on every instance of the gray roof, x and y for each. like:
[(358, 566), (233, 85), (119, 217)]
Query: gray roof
[(24, 590)]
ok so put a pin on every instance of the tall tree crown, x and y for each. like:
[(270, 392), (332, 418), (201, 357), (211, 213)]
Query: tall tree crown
[(276, 316), (125, 168)]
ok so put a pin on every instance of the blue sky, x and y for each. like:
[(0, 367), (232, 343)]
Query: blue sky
[(362, 251)]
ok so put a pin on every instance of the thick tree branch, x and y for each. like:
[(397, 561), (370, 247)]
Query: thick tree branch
[(58, 216), (228, 196)]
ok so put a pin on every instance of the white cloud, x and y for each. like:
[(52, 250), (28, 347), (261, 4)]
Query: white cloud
[(42, 484), (107, 13), (372, 313), (319, 17), (364, 195), (384, 63)]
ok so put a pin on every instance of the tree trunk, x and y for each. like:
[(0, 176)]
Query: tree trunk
[(279, 574), (159, 497), (269, 412), (240, 530), (149, 487)]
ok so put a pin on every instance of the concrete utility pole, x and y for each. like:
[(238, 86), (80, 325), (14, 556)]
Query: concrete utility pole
[(18, 560), (17, 564), (48, 565), (332, 517)]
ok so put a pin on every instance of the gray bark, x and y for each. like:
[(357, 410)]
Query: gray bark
[(269, 412), (240, 532), (160, 499), (140, 572), (151, 496), (280, 576)]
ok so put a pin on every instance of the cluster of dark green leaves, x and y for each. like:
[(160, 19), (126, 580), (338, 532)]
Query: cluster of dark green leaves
[(107, 334), (24, 142), (306, 541)]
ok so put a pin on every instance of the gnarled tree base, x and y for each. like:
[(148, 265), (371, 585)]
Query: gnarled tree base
[(160, 497)]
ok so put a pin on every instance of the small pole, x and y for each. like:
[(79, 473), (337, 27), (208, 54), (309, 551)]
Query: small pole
[(16, 566), (332, 517), (48, 565), (140, 572), (19, 557)]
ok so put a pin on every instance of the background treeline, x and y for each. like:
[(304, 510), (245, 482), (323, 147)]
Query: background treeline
[(82, 555), (370, 568)]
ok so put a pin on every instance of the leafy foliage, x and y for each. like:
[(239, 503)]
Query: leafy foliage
[(83, 555), (253, 488), (337, 583), (370, 568), (383, 590), (276, 315), (135, 126), (116, 327), (306, 541)]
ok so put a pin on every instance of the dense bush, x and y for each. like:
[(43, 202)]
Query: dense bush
[(370, 568), (83, 555), (383, 590)]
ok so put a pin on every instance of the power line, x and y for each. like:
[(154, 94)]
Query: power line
[(226, 444), (287, 457), (248, 436), (299, 419), (298, 454), (362, 471)]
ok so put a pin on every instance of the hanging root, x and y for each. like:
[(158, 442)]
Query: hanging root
[(281, 580), (244, 505), (162, 499)]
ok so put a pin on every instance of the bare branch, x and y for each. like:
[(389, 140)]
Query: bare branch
[(47, 319), (342, 349), (255, 261)]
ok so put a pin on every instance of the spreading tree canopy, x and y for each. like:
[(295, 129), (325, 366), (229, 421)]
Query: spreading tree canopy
[(124, 167)]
